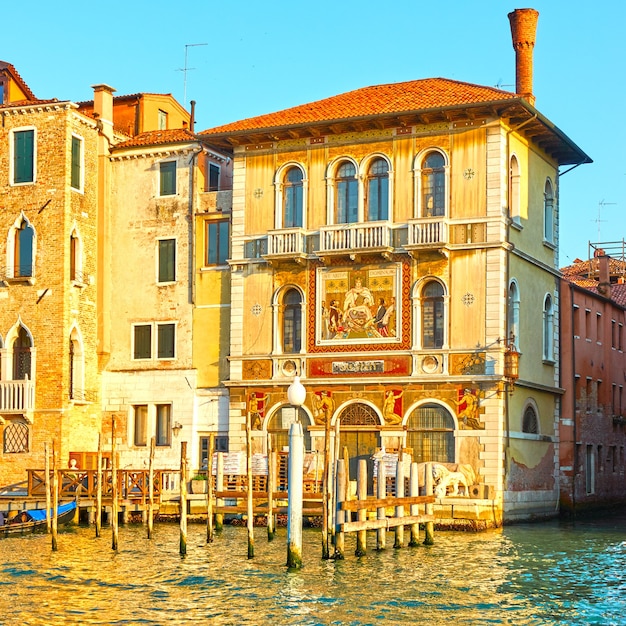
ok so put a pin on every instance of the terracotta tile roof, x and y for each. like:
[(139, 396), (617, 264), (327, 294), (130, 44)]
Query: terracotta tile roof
[(617, 267), (392, 98), (584, 275), (158, 137), (16, 76)]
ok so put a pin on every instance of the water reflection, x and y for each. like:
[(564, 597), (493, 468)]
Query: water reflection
[(529, 574)]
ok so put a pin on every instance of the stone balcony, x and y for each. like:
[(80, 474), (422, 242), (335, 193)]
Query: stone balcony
[(17, 396)]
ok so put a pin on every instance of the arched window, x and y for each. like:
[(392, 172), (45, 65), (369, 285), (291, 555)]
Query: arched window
[(23, 250), (76, 260), (530, 423), (548, 213), (280, 423), (514, 190), (548, 329), (513, 315), (293, 198), (433, 185), (22, 355), (377, 190), (292, 321), (347, 194), (432, 315), (430, 433)]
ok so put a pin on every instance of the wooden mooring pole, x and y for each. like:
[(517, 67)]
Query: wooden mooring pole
[(219, 486), (294, 498), (326, 487), (249, 500), (341, 492), (55, 498), (114, 490), (150, 519), (381, 513), (361, 494), (98, 518), (47, 485), (271, 486), (183, 498), (399, 540), (414, 491), (209, 491), (429, 527)]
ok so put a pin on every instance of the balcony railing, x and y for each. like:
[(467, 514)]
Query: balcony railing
[(17, 396), (372, 236), (428, 232), (288, 241)]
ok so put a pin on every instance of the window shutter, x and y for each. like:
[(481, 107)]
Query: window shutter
[(23, 152)]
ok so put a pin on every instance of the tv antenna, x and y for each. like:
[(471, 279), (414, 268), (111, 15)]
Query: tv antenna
[(598, 221), (186, 69)]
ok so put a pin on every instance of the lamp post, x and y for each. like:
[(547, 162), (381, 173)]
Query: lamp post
[(296, 394)]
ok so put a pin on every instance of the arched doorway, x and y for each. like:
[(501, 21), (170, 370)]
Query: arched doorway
[(430, 434), (280, 422), (359, 432)]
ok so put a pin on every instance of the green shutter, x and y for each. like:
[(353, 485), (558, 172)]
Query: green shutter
[(168, 178), (76, 162), (165, 337), (167, 260), (23, 156)]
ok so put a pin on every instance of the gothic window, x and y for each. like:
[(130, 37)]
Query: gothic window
[(23, 250), (346, 194), (430, 433), (530, 423), (22, 355), (293, 198), (548, 213), (292, 322), (513, 315), (432, 315), (433, 179), (377, 190), (548, 329)]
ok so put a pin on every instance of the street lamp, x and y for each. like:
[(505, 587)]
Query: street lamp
[(296, 393)]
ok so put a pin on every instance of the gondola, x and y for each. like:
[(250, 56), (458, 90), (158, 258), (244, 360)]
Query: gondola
[(34, 520)]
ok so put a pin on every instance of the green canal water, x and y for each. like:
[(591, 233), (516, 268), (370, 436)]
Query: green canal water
[(552, 573)]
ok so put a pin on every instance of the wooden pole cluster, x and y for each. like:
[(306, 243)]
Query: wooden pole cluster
[(250, 501), (55, 497), (47, 486), (98, 519), (150, 519), (271, 486), (380, 504)]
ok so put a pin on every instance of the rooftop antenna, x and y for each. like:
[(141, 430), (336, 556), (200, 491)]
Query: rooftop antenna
[(598, 221), (186, 69)]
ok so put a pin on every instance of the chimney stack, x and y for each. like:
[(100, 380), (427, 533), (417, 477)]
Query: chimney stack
[(604, 282), (523, 28)]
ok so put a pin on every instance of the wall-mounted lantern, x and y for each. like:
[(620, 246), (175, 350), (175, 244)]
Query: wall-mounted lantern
[(176, 428)]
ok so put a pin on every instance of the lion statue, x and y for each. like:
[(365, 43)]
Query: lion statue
[(446, 479)]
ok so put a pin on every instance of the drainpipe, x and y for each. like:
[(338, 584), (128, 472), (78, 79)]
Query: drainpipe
[(574, 417)]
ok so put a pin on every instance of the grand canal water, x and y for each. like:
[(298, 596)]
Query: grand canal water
[(565, 573)]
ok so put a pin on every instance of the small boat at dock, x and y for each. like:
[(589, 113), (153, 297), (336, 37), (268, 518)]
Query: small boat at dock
[(34, 520)]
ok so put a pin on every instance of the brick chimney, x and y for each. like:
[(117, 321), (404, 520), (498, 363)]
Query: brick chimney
[(103, 107), (523, 27), (604, 282)]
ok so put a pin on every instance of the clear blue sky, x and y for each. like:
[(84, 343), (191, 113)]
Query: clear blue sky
[(263, 57)]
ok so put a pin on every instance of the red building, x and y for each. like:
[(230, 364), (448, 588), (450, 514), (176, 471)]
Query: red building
[(593, 371)]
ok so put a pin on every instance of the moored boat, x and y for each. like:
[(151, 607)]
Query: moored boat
[(33, 520)]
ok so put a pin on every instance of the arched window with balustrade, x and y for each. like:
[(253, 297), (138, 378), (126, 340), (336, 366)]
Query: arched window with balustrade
[(430, 434)]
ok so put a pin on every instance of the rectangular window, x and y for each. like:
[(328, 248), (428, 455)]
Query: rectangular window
[(613, 334), (140, 424), (217, 242), (142, 341), (24, 156), (221, 445), (166, 336), (576, 316), (162, 120), (588, 324), (599, 336), (214, 177), (167, 178), (77, 163), (163, 424), (620, 336), (167, 260)]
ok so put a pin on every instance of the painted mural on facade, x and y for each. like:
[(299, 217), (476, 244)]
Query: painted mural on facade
[(358, 304)]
